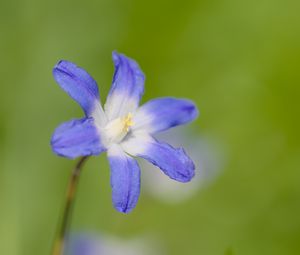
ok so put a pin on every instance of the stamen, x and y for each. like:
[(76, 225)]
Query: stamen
[(118, 128), (128, 122)]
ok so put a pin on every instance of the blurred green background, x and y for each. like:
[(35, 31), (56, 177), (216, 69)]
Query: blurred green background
[(238, 60)]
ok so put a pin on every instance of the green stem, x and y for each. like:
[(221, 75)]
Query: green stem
[(58, 247)]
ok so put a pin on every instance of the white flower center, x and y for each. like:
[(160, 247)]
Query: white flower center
[(118, 128)]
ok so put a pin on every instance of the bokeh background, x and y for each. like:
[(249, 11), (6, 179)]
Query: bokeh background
[(238, 60)]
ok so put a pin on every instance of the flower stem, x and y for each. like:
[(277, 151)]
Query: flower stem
[(58, 247)]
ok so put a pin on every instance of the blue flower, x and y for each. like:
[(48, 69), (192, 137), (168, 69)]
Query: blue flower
[(102, 244), (122, 128)]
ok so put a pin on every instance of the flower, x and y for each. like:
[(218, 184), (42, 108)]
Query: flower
[(102, 244), (122, 128)]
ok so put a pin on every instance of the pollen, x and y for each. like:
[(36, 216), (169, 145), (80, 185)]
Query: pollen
[(128, 122), (118, 128)]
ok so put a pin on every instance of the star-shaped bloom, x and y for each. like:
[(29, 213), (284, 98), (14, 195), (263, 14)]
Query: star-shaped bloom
[(122, 128)]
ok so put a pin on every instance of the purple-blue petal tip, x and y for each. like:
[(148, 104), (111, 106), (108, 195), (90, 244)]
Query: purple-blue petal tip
[(125, 210), (190, 167), (78, 83)]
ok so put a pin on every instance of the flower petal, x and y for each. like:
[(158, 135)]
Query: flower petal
[(163, 113), (125, 179), (127, 87), (77, 138), (174, 162), (78, 84)]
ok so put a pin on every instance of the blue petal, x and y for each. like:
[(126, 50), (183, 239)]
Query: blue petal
[(125, 179), (81, 244), (127, 87), (77, 138), (163, 113), (174, 162), (78, 84)]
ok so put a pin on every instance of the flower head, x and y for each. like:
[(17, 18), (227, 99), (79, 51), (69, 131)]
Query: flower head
[(102, 244), (122, 128)]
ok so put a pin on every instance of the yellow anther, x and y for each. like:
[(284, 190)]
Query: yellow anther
[(128, 122), (118, 128)]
